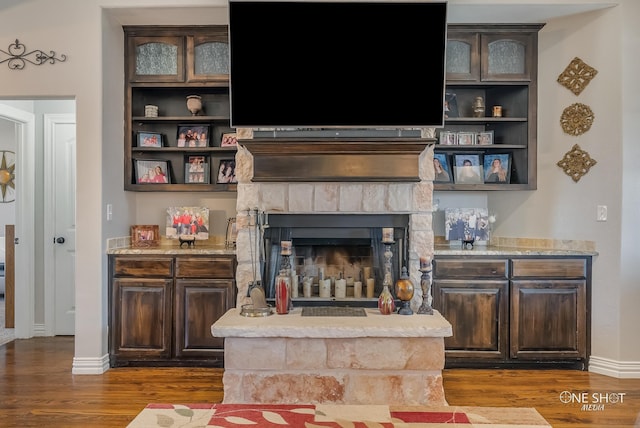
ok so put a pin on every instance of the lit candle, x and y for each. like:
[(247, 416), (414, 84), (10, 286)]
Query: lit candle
[(285, 248), (425, 262), (387, 234)]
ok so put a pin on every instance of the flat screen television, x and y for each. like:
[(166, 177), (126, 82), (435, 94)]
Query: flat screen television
[(365, 64)]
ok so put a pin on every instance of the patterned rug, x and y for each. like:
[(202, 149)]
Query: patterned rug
[(6, 334), (330, 415)]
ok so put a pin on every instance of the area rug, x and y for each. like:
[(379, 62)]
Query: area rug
[(331, 415), (6, 334)]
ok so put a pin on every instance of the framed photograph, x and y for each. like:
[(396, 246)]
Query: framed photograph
[(232, 233), (196, 170), (190, 222), (229, 139), (466, 138), (227, 171), (149, 139), (448, 138), (467, 169), (497, 168), (450, 105), (467, 224), (193, 135), (152, 171), (441, 167), (145, 235), (484, 138)]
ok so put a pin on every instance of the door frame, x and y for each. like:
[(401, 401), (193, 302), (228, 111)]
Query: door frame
[(50, 122), (25, 219)]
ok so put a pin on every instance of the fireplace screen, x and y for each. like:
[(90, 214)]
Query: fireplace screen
[(333, 249)]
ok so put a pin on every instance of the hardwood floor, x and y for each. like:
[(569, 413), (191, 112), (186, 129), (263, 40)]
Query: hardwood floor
[(37, 389)]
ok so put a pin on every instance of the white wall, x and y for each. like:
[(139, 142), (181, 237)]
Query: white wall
[(91, 37)]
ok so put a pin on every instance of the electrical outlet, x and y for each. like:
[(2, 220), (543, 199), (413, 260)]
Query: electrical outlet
[(601, 213), (109, 212)]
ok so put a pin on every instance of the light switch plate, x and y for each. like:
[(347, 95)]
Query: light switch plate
[(601, 213)]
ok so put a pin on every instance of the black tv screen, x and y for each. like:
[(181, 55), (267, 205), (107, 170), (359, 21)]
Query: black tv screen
[(337, 64)]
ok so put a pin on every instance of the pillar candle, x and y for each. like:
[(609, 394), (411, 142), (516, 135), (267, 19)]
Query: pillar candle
[(367, 272), (425, 263), (370, 287), (325, 288), (306, 286), (341, 288), (285, 248), (294, 285), (387, 234), (357, 289)]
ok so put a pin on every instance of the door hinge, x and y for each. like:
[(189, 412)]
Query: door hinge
[(15, 241)]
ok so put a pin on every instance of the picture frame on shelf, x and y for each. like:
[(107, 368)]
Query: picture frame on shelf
[(441, 166), (466, 138), (193, 135), (229, 139), (149, 139), (145, 235), (227, 172), (187, 222), (497, 168), (450, 105), (196, 170), (448, 138), (484, 138), (468, 169), (152, 171)]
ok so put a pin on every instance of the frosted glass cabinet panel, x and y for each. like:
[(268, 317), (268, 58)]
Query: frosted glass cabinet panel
[(156, 59), (506, 56), (462, 57), (208, 57)]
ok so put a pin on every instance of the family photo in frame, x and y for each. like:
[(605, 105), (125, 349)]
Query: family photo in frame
[(441, 168), (468, 169), (227, 171), (196, 170), (149, 139), (152, 171), (187, 221), (193, 136)]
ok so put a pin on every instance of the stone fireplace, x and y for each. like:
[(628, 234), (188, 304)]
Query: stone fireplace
[(342, 177)]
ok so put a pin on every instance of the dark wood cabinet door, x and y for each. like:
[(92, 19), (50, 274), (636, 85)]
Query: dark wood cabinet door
[(155, 59), (548, 319), (141, 319), (477, 311), (507, 56), (463, 56), (198, 304)]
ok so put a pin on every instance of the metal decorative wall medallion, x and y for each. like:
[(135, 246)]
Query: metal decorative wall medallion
[(577, 76), (7, 176), (16, 56), (576, 163), (577, 119)]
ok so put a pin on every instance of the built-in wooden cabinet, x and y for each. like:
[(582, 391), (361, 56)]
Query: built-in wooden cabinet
[(498, 64), (516, 311), (161, 308), (163, 66)]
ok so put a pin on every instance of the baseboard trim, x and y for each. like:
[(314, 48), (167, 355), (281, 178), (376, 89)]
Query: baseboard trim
[(613, 368), (90, 366)]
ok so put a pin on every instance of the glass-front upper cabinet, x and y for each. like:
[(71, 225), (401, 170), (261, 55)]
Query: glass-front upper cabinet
[(156, 59), (463, 57), (208, 57), (506, 56)]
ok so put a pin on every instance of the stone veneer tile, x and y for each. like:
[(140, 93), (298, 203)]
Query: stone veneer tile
[(244, 165), (350, 198), (325, 198), (255, 353), (393, 387), (301, 197), (373, 197), (291, 388), (273, 197), (306, 354), (248, 196), (423, 196), (425, 164), (400, 197), (232, 381)]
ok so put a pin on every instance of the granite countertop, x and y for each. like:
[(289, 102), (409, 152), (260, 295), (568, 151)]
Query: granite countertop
[(498, 250), (174, 248), (293, 324)]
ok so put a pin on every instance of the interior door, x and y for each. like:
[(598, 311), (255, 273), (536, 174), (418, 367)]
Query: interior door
[(60, 138)]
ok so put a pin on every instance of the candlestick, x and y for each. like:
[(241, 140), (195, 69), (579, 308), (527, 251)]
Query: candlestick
[(425, 262), (425, 283), (387, 235)]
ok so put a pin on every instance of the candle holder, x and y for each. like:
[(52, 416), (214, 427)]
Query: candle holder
[(404, 291), (425, 283), (386, 302)]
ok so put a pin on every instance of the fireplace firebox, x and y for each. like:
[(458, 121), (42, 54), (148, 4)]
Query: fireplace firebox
[(333, 247)]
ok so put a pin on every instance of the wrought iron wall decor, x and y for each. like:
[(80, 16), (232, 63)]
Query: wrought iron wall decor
[(16, 56)]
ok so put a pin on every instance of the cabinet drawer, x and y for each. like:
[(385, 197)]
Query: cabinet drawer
[(143, 266), (470, 268), (547, 268), (205, 267)]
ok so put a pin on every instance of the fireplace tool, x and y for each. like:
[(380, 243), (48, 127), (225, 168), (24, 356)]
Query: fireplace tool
[(258, 306)]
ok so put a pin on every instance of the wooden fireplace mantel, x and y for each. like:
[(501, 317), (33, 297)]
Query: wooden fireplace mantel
[(340, 159)]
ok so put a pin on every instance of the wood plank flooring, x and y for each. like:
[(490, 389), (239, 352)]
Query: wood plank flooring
[(37, 389)]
